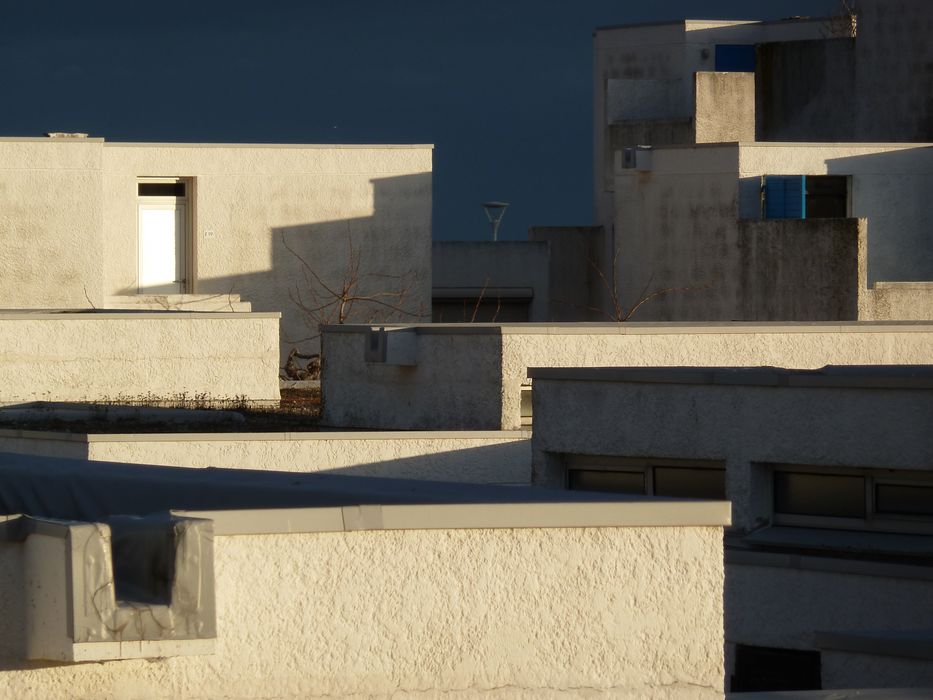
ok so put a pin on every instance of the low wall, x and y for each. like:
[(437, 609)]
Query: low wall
[(138, 356), (863, 419), (910, 301), (483, 458), (470, 376), (534, 611)]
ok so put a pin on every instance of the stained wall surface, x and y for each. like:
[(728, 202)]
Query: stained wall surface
[(471, 377), (634, 612), (681, 227), (147, 356)]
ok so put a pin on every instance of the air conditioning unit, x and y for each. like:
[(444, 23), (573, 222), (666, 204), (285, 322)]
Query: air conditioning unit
[(393, 346), (637, 158)]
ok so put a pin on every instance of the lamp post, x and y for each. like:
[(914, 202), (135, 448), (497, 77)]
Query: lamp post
[(494, 212)]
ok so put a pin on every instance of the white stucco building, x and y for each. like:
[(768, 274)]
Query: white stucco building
[(88, 223)]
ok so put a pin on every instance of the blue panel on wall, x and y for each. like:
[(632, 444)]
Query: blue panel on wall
[(785, 197), (735, 58)]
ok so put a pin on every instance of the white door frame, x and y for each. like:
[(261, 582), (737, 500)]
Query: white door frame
[(181, 284)]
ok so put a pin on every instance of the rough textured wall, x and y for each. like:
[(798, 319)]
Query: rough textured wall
[(805, 91), (724, 107), (909, 301), (677, 232), (783, 607), (429, 396), (484, 265), (575, 283), (252, 201), (482, 460), (690, 346), (894, 70), (825, 426), (51, 245), (473, 381), (630, 612), (92, 357), (799, 270), (889, 186)]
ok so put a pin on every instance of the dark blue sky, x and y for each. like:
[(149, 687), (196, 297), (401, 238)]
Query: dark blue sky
[(503, 89)]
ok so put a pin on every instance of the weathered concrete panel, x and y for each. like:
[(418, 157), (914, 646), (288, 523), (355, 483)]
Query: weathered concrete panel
[(148, 356), (724, 107), (799, 270), (577, 289), (478, 613), (51, 222)]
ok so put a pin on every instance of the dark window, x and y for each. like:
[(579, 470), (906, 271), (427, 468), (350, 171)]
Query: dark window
[(161, 189), (903, 499), (467, 310), (769, 668), (827, 196), (819, 494), (611, 481), (736, 58), (678, 482)]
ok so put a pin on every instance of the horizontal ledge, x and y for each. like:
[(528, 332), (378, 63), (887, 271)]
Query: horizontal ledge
[(826, 563), (504, 435), (906, 377), (641, 513), (147, 315), (909, 645), (640, 328), (490, 293)]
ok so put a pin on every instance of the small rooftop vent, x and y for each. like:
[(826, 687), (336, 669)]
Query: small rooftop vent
[(66, 135)]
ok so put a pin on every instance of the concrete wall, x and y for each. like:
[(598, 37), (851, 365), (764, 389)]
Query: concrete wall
[(319, 200), (477, 613), (775, 602), (785, 607), (51, 240), (678, 227), (493, 268), (801, 270), (138, 356), (664, 57), (893, 79), (483, 458), (471, 377), (576, 287), (724, 107), (806, 91), (906, 300), (701, 416)]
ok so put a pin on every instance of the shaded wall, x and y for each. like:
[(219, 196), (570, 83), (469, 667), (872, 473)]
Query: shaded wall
[(793, 270), (576, 283)]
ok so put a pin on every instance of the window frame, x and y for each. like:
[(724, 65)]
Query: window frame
[(873, 521), (635, 465)]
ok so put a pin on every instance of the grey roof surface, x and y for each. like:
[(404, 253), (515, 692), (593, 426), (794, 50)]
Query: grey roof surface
[(76, 489)]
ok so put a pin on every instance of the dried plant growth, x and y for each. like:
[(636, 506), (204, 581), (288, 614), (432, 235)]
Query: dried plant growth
[(618, 312), (350, 295)]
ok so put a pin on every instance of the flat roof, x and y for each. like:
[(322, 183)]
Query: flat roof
[(721, 22), (249, 501), (141, 315), (286, 436), (642, 328), (161, 144), (829, 377)]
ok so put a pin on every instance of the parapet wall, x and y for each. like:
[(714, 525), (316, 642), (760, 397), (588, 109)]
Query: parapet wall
[(528, 611), (145, 356), (470, 376)]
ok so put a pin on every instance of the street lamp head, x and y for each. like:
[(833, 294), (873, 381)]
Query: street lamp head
[(494, 212)]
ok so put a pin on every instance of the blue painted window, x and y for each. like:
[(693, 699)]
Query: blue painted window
[(785, 197), (736, 58)]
